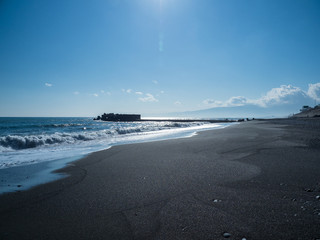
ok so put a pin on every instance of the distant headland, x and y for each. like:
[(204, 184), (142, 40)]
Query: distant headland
[(307, 112)]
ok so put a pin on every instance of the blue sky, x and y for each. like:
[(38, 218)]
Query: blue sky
[(83, 58)]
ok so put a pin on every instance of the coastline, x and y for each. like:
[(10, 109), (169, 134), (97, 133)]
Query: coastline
[(22, 175), (254, 180)]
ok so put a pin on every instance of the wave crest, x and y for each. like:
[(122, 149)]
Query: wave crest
[(24, 142), (18, 142)]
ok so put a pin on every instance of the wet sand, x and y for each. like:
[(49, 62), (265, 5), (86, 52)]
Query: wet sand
[(254, 180)]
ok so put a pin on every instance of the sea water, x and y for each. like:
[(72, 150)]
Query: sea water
[(31, 148)]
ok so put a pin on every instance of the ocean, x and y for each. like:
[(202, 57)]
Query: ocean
[(31, 148)]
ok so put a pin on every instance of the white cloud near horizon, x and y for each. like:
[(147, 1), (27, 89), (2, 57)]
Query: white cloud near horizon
[(285, 94), (48, 84), (314, 91), (282, 95), (148, 98)]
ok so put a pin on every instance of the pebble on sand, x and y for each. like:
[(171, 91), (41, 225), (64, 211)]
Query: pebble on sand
[(226, 235)]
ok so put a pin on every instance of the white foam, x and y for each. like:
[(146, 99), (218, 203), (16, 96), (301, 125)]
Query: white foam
[(24, 150)]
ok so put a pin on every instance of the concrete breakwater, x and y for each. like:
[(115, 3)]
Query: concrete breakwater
[(191, 120)]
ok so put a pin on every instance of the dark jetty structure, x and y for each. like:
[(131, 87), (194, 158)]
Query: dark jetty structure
[(112, 117)]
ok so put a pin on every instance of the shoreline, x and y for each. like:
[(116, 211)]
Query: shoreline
[(250, 180), (24, 177)]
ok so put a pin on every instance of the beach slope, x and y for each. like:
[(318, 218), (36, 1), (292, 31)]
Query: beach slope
[(254, 180)]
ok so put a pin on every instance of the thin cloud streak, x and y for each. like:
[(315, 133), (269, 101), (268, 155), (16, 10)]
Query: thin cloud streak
[(148, 98)]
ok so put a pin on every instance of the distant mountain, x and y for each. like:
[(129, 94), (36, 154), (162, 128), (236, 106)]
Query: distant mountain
[(282, 101), (247, 111), (278, 102)]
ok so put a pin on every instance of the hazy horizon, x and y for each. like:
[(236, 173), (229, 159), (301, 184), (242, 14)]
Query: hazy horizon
[(154, 57)]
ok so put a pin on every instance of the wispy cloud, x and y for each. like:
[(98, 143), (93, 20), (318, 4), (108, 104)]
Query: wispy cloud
[(148, 98), (212, 102), (95, 94), (76, 93), (127, 90), (103, 92), (139, 93), (285, 94), (178, 103), (155, 81), (48, 84)]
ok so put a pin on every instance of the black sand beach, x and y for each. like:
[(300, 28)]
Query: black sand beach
[(254, 180)]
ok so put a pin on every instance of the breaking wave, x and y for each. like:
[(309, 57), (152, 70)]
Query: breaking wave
[(18, 142), (23, 142)]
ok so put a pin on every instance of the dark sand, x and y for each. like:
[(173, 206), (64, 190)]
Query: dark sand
[(255, 180)]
